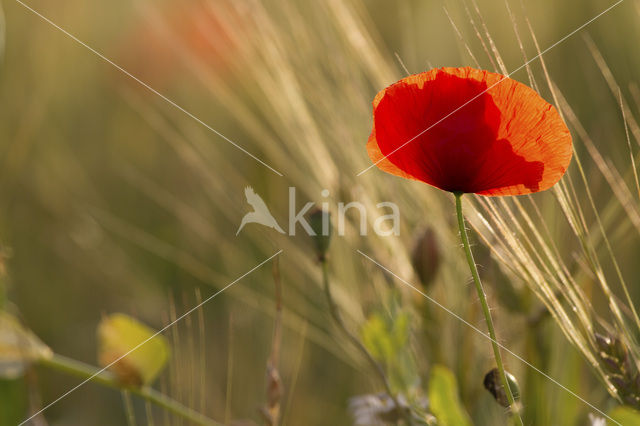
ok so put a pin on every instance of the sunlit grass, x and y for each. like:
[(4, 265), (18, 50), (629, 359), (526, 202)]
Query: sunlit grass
[(155, 210)]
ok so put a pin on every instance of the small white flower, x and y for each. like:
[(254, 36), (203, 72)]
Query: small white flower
[(375, 410), (596, 421)]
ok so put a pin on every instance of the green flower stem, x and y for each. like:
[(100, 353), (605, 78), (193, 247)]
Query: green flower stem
[(485, 309), (105, 378), (335, 314)]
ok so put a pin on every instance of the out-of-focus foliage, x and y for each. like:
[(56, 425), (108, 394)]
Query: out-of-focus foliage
[(444, 401), (388, 340), (14, 396), (112, 200), (18, 347), (625, 416), (2, 34), (133, 351)]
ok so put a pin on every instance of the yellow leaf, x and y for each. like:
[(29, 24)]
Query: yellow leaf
[(143, 354)]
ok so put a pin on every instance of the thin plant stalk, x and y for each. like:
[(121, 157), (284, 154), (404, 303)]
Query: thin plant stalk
[(335, 314), (274, 388), (104, 378), (485, 309), (128, 406)]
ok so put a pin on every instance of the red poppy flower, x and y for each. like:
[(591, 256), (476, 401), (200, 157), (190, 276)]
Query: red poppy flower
[(471, 131)]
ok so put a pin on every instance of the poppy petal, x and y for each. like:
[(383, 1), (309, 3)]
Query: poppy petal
[(467, 130)]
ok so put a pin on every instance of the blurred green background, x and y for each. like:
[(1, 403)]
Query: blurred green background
[(112, 200)]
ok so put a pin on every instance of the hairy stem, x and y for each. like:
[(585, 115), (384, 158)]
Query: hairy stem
[(485, 309), (104, 378)]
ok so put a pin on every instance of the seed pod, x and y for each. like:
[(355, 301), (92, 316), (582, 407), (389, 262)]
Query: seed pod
[(493, 384), (620, 365), (320, 222), (632, 400), (426, 257), (619, 382), (611, 364), (618, 349)]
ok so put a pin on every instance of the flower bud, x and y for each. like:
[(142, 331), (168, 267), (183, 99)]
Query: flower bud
[(426, 257), (493, 384), (320, 222)]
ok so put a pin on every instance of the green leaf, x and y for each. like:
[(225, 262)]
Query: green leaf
[(387, 339), (625, 416), (140, 353), (377, 339), (400, 330), (443, 398), (14, 401), (18, 347)]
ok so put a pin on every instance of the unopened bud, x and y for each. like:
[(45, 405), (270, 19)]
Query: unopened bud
[(493, 384), (426, 257), (320, 222)]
